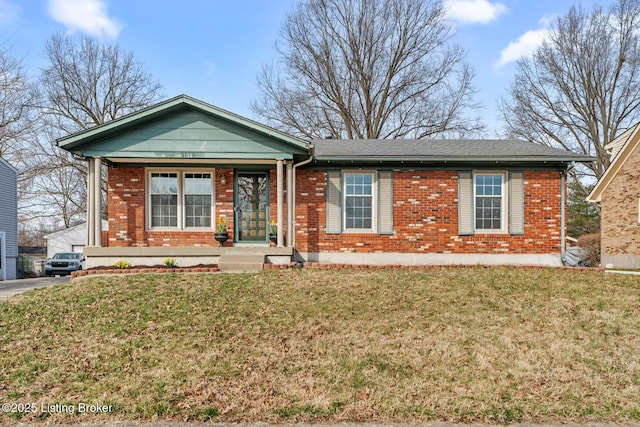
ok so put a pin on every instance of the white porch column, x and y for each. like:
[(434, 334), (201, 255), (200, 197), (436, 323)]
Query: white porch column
[(279, 192), (90, 218), (290, 218), (97, 201)]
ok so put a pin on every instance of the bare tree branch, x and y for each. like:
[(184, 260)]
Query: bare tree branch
[(16, 107), (582, 86), (88, 84), (368, 69), (84, 84)]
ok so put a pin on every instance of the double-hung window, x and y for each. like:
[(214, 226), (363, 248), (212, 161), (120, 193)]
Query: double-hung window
[(164, 199), (197, 199), (181, 200), (358, 201), (489, 202)]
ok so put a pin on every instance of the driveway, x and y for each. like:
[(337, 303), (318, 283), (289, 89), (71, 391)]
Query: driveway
[(9, 288)]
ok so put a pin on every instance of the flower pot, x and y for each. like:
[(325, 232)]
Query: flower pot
[(273, 237), (221, 238)]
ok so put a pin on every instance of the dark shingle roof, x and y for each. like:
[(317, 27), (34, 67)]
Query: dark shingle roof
[(440, 150)]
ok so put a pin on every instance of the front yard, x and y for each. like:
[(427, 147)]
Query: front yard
[(492, 345)]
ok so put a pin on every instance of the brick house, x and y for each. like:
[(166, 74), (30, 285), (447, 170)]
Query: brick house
[(618, 195), (177, 168)]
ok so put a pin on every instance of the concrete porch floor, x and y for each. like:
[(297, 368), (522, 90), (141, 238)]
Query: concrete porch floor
[(185, 256)]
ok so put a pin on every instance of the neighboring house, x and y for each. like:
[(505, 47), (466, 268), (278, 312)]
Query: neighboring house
[(72, 239), (176, 168), (618, 195), (8, 220)]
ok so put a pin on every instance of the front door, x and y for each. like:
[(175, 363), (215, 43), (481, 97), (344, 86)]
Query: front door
[(251, 207)]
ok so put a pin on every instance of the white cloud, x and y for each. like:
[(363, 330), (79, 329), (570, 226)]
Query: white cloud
[(524, 46), (8, 12), (87, 16), (474, 11)]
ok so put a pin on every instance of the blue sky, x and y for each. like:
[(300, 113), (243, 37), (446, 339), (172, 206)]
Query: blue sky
[(214, 49)]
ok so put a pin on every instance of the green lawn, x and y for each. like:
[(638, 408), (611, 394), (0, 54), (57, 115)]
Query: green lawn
[(492, 345)]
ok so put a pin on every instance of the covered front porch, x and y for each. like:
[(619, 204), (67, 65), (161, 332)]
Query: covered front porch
[(180, 172)]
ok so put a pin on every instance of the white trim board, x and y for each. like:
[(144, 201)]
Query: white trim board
[(3, 255)]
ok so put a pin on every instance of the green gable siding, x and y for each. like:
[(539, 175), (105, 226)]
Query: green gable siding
[(190, 134)]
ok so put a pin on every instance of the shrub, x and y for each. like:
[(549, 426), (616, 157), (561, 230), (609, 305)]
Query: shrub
[(122, 264), (591, 244)]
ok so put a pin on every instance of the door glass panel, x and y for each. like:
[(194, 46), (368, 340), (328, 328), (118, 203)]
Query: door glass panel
[(252, 202)]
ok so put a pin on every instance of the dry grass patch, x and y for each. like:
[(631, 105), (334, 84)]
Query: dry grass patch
[(463, 345)]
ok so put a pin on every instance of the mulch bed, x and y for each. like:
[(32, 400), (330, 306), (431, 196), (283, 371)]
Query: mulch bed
[(213, 268), (155, 269)]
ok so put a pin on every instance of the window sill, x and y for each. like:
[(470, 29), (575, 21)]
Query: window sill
[(359, 231), (175, 229), (489, 232)]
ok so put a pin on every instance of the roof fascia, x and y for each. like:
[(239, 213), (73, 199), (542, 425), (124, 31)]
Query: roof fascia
[(623, 135), (70, 229), (64, 231), (603, 183), (403, 159)]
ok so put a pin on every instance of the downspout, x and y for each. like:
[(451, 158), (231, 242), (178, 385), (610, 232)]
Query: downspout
[(295, 166), (563, 244)]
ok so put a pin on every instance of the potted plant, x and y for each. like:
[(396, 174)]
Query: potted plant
[(273, 231), (221, 235)]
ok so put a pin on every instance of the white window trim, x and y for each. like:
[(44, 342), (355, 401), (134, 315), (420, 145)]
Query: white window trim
[(504, 203), (374, 202), (181, 208)]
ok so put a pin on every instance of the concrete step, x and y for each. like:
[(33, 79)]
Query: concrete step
[(241, 263)]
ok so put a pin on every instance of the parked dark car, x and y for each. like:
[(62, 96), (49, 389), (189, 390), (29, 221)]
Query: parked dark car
[(63, 263)]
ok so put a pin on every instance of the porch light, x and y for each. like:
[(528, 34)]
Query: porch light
[(223, 179)]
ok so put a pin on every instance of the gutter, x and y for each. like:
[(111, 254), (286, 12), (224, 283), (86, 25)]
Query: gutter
[(563, 245), (436, 159), (294, 223)]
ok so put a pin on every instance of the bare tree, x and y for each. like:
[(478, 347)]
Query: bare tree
[(582, 86), (85, 84), (16, 106), (52, 184), (367, 69)]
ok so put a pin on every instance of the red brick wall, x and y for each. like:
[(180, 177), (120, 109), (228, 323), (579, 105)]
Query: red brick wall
[(425, 211), (620, 226), (126, 201), (425, 215), (273, 199)]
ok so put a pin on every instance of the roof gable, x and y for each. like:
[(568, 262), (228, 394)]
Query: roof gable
[(180, 128), (626, 148), (8, 166), (81, 226), (614, 147)]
